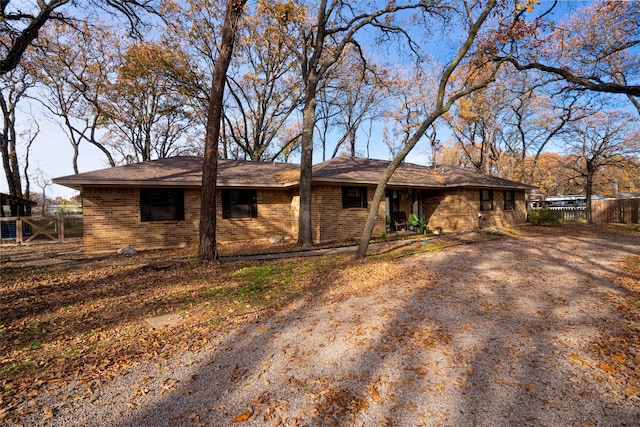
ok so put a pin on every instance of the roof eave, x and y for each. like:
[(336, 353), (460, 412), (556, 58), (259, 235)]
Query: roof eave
[(426, 186), (78, 185), (489, 185)]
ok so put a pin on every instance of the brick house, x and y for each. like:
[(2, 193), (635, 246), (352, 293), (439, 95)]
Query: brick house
[(156, 204)]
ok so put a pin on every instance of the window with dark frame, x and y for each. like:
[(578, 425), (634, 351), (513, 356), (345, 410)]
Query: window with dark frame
[(509, 200), (486, 200), (354, 197), (161, 204), (239, 204)]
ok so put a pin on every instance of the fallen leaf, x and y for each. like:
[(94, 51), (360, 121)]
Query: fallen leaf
[(48, 413), (632, 390), (374, 393), (301, 383), (607, 368), (575, 357), (242, 418)]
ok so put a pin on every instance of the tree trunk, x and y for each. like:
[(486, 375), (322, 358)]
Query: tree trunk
[(384, 179), (9, 156), (146, 147), (305, 235), (208, 208), (591, 171), (74, 161), (352, 141)]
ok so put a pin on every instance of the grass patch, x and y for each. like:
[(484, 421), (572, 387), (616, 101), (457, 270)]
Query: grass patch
[(272, 279), (261, 275), (256, 277), (71, 352), (33, 345), (34, 331), (17, 367)]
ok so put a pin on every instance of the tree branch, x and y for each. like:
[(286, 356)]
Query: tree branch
[(567, 75)]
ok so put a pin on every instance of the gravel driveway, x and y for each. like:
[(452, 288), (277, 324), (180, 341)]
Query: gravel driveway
[(506, 332)]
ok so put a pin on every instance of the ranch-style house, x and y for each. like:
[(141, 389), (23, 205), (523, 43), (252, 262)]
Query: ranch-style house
[(156, 204)]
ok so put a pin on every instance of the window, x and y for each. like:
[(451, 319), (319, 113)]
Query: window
[(354, 197), (239, 204), (161, 204), (486, 200), (509, 200)]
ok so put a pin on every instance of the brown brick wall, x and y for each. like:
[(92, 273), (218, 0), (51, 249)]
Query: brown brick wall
[(333, 223), (458, 210), (112, 220), (274, 219), (112, 217)]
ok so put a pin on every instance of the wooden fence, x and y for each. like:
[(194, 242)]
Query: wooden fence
[(572, 215), (625, 211), (39, 229)]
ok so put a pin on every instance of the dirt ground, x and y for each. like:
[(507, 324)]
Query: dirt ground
[(537, 327)]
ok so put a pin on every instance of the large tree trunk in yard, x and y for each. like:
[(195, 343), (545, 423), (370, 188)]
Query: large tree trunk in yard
[(208, 208), (591, 171), (305, 235)]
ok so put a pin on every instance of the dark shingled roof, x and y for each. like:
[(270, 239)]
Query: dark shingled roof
[(368, 171), (187, 172)]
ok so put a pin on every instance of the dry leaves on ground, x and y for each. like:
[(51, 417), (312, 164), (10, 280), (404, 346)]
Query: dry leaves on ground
[(83, 322)]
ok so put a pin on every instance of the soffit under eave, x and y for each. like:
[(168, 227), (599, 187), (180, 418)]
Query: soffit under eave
[(391, 184), (397, 185), (523, 187)]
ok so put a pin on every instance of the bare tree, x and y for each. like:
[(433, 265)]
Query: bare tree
[(354, 94), (74, 68), (43, 181), (445, 96), (263, 87), (30, 136), (601, 140), (533, 112), (410, 92), (319, 44)]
